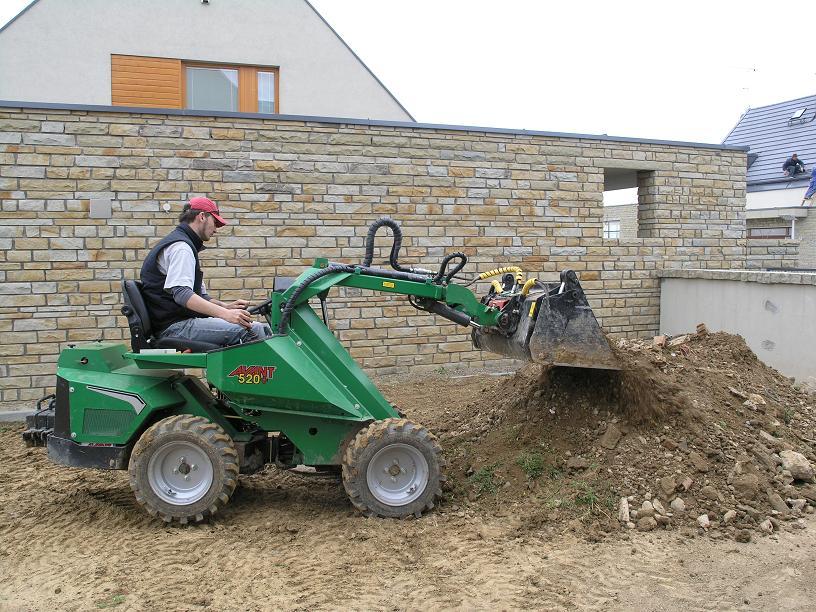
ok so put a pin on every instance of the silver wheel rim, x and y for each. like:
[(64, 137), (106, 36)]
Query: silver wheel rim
[(397, 474), (180, 473)]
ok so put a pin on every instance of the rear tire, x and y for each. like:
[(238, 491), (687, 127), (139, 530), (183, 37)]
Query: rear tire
[(393, 468), (183, 468)]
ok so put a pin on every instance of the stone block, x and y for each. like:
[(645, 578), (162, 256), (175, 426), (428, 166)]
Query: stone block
[(59, 140), (100, 161), (10, 137)]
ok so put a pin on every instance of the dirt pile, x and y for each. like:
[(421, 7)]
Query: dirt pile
[(694, 432)]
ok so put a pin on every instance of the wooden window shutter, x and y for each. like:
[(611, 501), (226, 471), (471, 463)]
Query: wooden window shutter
[(146, 81)]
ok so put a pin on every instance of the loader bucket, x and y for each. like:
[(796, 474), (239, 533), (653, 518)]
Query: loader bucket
[(556, 327)]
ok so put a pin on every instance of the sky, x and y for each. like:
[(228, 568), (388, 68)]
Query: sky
[(681, 71)]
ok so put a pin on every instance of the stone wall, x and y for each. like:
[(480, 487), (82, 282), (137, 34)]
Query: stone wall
[(772, 253), (302, 188), (627, 214), (806, 234)]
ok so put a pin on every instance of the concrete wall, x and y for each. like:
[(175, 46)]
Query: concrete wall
[(300, 189), (60, 51), (773, 311), (790, 196)]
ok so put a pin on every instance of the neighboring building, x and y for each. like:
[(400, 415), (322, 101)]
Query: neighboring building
[(773, 200), (223, 55)]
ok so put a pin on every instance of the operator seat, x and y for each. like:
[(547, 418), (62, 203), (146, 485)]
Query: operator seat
[(141, 331)]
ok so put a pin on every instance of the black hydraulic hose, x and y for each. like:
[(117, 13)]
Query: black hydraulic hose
[(286, 312), (372, 231), (382, 272), (443, 267)]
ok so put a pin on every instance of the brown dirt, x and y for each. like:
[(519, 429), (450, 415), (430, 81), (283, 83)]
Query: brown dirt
[(76, 540), (535, 441)]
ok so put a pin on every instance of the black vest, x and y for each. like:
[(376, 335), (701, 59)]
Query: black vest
[(163, 310)]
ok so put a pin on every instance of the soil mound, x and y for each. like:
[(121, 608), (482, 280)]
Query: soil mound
[(692, 432)]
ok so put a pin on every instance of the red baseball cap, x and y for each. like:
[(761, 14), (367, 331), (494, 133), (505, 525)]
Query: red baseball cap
[(207, 205)]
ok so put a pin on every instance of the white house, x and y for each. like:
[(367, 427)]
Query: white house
[(267, 56)]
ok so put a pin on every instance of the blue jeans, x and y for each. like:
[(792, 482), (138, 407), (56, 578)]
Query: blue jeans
[(216, 331)]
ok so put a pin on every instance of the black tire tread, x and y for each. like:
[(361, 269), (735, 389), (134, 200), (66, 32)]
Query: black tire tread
[(210, 433), (378, 431)]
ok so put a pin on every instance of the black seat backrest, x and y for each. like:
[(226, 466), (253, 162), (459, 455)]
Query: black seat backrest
[(138, 318), (141, 330)]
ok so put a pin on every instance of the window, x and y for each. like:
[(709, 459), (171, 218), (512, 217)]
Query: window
[(266, 91), (611, 229), (769, 232), (246, 89), (212, 89), (172, 83), (798, 117)]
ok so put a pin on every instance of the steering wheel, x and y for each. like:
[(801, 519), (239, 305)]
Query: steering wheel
[(262, 308)]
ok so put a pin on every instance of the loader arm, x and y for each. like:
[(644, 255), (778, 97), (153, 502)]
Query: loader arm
[(460, 304), (550, 324)]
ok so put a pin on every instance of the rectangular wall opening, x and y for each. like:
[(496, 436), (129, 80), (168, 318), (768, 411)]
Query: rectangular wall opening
[(620, 202), (628, 202)]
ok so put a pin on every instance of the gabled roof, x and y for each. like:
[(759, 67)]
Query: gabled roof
[(316, 12), (773, 137), (18, 15)]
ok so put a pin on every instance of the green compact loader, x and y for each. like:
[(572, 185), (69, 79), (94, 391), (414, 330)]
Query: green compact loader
[(296, 398)]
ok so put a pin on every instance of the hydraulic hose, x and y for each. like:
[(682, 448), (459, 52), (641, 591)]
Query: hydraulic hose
[(444, 266), (515, 269), (528, 285), (372, 232), (395, 248), (286, 312)]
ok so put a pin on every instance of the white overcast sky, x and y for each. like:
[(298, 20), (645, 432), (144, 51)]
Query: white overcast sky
[(670, 70)]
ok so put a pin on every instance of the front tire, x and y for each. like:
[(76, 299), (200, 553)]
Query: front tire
[(183, 468), (393, 468)]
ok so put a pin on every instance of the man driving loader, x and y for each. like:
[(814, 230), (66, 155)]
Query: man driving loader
[(174, 289)]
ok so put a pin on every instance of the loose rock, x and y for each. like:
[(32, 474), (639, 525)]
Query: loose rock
[(611, 437), (797, 464), (777, 503), (647, 509), (577, 463), (623, 510), (647, 523), (711, 493), (658, 507), (700, 464), (678, 505), (703, 521), (743, 536), (756, 399), (797, 505), (766, 526), (667, 485), (746, 486)]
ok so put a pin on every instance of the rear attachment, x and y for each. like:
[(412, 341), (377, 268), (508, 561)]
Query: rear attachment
[(41, 423), (547, 323)]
